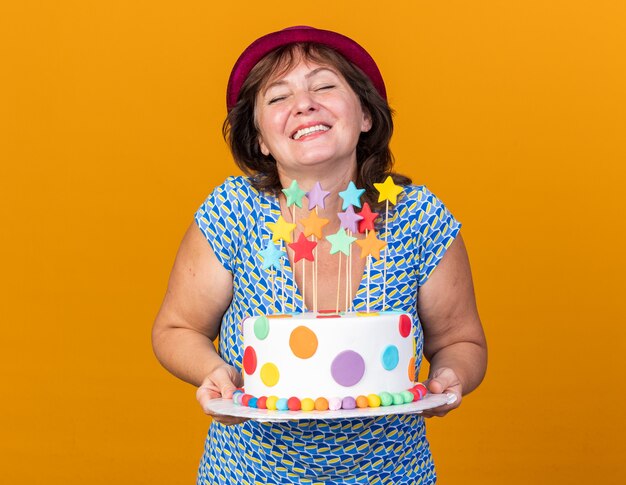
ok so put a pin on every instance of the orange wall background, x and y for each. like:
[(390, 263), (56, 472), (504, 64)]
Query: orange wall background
[(512, 112)]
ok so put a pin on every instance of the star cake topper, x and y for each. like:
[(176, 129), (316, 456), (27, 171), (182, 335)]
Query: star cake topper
[(316, 196), (367, 223), (371, 245), (351, 196), (340, 241), (303, 248), (313, 225), (271, 256), (388, 190), (349, 219), (294, 194), (281, 229)]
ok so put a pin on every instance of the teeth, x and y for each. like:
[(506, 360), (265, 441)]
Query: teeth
[(307, 131)]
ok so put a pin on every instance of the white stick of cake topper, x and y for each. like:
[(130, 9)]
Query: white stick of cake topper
[(349, 220), (281, 231), (273, 260), (386, 253), (338, 283), (387, 191), (303, 250), (315, 280), (294, 195), (313, 225), (369, 262), (348, 274), (370, 247), (340, 243), (366, 224), (272, 276), (282, 290)]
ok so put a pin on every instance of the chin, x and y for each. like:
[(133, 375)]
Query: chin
[(321, 158)]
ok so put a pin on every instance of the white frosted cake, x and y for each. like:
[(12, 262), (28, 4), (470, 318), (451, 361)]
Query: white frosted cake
[(298, 361)]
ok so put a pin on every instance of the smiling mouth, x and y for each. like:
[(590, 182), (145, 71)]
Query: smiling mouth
[(309, 130)]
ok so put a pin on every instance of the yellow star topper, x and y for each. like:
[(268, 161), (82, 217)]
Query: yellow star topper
[(313, 225), (388, 190), (371, 245), (281, 229)]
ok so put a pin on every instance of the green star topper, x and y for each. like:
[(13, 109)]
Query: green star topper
[(340, 241), (294, 194)]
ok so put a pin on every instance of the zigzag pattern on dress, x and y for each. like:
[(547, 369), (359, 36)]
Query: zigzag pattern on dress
[(382, 450)]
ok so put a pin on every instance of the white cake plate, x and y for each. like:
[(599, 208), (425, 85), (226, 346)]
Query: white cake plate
[(226, 407)]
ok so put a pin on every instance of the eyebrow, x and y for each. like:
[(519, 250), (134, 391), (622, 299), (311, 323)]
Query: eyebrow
[(281, 81)]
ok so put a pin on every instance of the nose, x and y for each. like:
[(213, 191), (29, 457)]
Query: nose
[(304, 103)]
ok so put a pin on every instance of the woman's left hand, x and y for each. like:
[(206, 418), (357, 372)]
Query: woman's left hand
[(444, 380)]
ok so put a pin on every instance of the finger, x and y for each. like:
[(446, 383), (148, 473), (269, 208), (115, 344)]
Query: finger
[(228, 420), (204, 395), (226, 380), (442, 380)]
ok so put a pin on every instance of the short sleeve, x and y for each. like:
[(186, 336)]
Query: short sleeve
[(217, 220), (437, 229)]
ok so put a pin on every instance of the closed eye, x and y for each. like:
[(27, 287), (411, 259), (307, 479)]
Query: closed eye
[(276, 99), (325, 86)]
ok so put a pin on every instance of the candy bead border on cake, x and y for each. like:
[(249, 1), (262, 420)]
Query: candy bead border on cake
[(322, 404)]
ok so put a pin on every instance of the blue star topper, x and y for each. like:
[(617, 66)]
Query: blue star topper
[(271, 256), (351, 196)]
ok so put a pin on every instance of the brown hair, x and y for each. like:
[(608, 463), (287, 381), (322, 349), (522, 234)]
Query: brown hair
[(374, 157)]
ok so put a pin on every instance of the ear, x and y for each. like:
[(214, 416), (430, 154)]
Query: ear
[(366, 124), (264, 150)]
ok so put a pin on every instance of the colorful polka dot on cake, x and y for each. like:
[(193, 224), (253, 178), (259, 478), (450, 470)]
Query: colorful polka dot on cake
[(269, 374), (397, 398), (347, 368), (411, 369), (281, 404), (303, 342), (362, 402), (407, 396), (293, 403), (262, 402), (261, 328), (405, 325), (249, 360), (390, 357)]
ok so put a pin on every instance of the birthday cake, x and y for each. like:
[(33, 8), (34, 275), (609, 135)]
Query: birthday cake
[(328, 360)]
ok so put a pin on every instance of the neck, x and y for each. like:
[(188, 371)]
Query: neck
[(333, 181)]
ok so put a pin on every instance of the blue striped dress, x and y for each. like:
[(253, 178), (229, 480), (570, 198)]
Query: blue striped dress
[(381, 450)]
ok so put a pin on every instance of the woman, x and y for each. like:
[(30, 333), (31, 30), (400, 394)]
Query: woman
[(310, 105)]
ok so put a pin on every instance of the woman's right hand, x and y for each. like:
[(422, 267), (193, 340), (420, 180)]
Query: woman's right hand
[(221, 382)]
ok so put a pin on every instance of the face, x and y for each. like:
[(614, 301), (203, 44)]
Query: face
[(310, 117)]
